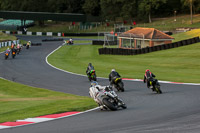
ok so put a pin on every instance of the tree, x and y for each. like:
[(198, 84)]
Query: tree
[(190, 3), (92, 7), (110, 9), (147, 6)]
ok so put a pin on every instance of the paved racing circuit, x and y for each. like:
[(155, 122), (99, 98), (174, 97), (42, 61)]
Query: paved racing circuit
[(176, 110)]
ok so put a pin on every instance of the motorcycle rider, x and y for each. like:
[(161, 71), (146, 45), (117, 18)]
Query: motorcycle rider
[(112, 76), (148, 77), (12, 46), (89, 68), (98, 88), (70, 41), (7, 51)]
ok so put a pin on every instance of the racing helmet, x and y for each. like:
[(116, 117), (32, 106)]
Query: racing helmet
[(8, 49), (94, 83), (147, 71), (113, 70)]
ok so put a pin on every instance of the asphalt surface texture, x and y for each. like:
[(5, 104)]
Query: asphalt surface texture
[(177, 110)]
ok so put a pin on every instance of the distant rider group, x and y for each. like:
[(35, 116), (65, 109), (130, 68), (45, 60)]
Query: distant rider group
[(15, 49)]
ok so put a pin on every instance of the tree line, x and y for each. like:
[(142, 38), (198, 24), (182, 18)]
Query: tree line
[(107, 9)]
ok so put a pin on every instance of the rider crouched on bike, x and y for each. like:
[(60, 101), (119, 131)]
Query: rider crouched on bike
[(7, 51), (112, 76), (96, 89), (89, 68), (148, 77)]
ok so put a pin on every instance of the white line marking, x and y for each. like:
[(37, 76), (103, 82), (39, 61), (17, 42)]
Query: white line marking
[(36, 119), (3, 127)]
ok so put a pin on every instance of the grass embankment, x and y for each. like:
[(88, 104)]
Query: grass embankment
[(186, 35), (7, 37), (169, 24), (179, 64), (18, 101)]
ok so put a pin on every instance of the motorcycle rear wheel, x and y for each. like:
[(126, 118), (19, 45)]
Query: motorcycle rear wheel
[(109, 104), (6, 57), (121, 86)]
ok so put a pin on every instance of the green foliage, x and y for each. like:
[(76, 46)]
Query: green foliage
[(92, 7), (146, 7), (107, 9)]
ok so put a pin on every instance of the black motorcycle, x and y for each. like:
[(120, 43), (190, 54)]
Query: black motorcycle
[(19, 50), (154, 85), (27, 46), (13, 53), (118, 84), (6, 55)]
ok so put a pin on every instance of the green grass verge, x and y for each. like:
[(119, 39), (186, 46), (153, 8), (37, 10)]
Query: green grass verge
[(6, 37), (179, 64), (19, 101)]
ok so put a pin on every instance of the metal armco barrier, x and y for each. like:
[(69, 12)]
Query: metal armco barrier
[(120, 51)]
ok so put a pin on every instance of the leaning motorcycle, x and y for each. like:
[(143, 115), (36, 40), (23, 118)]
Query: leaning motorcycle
[(155, 86), (92, 75), (118, 84), (70, 42), (106, 99)]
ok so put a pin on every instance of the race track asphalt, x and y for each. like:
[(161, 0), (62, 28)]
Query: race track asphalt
[(176, 110)]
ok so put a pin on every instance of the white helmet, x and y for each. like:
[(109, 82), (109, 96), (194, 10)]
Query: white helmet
[(113, 70), (8, 49)]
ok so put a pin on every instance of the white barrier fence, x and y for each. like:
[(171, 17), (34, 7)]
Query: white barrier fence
[(49, 34), (8, 43), (35, 33), (39, 33)]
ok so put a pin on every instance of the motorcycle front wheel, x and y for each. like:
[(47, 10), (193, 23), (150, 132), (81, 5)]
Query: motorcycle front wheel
[(158, 90), (108, 104)]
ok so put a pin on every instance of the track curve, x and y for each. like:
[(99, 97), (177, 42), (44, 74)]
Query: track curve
[(176, 110)]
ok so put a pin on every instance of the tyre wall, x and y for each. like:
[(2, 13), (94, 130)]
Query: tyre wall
[(121, 51)]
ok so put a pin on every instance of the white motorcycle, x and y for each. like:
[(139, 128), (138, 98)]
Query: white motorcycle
[(105, 97)]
